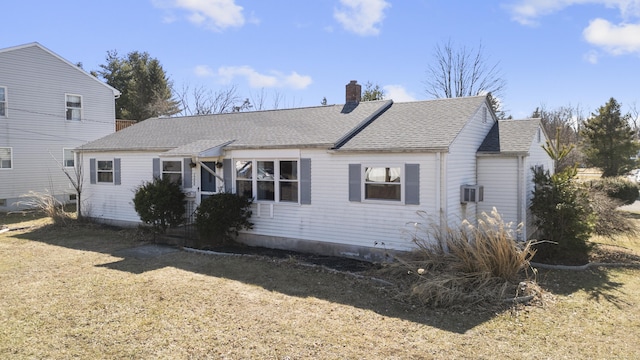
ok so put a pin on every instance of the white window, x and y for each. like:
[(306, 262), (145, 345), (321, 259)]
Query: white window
[(74, 107), (105, 171), (67, 158), (383, 183), (272, 180), (3, 101), (6, 157), (172, 170)]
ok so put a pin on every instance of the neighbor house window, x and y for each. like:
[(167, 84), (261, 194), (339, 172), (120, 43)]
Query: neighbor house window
[(172, 170), (382, 183), (3, 101), (6, 158), (68, 160), (272, 180), (74, 107), (105, 171)]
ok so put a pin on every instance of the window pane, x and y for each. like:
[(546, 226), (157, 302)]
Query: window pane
[(5, 164), (266, 190), (383, 175), (382, 192), (289, 191), (73, 114), (2, 96), (68, 158), (244, 188), (173, 166), (73, 101), (265, 170), (3, 112), (288, 170), (173, 177), (105, 177), (105, 165), (244, 170)]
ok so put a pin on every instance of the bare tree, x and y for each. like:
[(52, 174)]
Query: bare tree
[(462, 72), (634, 118), (75, 176), (202, 101), (563, 123)]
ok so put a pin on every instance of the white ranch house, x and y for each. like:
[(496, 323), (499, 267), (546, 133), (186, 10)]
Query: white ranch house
[(340, 179), (48, 107)]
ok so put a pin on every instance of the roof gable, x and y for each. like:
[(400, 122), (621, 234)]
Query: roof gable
[(42, 48), (511, 136)]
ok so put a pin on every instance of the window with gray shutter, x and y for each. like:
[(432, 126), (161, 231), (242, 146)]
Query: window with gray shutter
[(305, 181), (412, 184), (355, 184)]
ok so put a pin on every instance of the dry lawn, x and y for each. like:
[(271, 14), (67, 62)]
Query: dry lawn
[(79, 292)]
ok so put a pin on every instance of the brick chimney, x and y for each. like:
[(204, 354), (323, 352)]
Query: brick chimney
[(354, 92)]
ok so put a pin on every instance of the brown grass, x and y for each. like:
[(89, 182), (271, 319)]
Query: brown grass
[(78, 292)]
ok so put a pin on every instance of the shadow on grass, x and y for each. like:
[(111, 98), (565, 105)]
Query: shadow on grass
[(279, 276)]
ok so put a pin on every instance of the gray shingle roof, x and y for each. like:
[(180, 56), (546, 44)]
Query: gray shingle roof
[(510, 136), (418, 125), (371, 125), (301, 127)]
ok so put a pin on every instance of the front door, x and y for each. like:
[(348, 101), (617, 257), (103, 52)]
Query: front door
[(207, 180)]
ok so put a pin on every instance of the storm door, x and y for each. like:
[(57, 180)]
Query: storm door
[(207, 179)]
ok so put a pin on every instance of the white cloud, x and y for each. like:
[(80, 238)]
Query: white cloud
[(526, 12), (362, 17), (397, 93), (256, 80), (615, 39), (216, 15)]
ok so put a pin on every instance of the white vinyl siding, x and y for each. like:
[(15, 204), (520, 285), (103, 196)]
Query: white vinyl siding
[(37, 82)]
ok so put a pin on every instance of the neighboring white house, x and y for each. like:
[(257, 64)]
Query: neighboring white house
[(48, 107), (341, 179)]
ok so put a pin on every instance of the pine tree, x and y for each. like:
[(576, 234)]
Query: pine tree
[(608, 140)]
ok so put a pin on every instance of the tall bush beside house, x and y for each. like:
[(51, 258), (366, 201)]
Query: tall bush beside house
[(220, 217), (160, 203), (563, 215)]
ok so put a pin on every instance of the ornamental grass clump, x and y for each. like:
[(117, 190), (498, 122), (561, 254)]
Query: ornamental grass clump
[(466, 265)]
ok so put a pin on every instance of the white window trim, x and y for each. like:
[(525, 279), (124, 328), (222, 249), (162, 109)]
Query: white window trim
[(11, 159), (113, 173), (276, 179), (6, 102), (363, 196), (64, 159), (67, 108)]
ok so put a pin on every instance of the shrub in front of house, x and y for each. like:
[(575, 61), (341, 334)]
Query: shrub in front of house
[(160, 203), (220, 216), (564, 217), (617, 188)]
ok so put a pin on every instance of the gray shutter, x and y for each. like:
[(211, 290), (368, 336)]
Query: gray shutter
[(186, 178), (116, 172), (412, 184), (92, 171), (355, 184), (305, 181), (228, 175), (156, 168)]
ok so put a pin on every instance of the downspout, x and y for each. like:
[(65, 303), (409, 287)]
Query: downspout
[(520, 200), (442, 191)]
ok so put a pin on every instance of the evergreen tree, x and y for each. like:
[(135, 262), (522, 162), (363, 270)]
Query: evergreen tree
[(145, 87), (372, 92), (608, 140)]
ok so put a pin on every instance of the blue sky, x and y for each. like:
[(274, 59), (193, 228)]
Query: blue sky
[(551, 53)]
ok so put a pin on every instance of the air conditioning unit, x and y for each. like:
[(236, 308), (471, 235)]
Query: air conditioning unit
[(471, 193)]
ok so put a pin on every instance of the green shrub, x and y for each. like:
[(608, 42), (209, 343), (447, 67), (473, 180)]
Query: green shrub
[(220, 217), (160, 203), (563, 215), (617, 188)]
